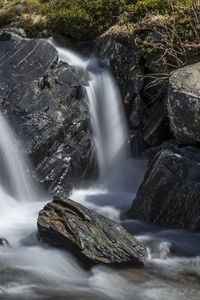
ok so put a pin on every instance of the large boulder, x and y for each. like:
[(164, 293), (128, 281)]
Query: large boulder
[(45, 102), (88, 235), (170, 192), (183, 104)]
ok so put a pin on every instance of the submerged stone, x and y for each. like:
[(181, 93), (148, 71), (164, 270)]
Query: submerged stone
[(88, 235)]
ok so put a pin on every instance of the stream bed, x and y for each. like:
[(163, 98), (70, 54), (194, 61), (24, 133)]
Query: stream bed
[(31, 270)]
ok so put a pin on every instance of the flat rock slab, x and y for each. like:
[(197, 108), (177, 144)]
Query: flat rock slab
[(88, 235)]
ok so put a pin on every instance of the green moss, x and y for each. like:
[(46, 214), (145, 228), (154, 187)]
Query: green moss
[(87, 19), (83, 19), (79, 19), (8, 16), (169, 30), (135, 12)]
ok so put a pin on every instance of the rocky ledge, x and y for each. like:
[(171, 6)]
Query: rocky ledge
[(89, 236), (46, 103)]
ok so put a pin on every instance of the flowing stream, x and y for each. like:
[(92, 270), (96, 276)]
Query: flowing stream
[(30, 270)]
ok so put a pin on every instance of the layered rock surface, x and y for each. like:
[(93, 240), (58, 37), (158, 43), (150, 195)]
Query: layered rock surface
[(88, 235), (45, 102)]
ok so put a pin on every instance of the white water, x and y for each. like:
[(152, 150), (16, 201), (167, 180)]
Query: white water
[(108, 121), (14, 171), (109, 126), (34, 271)]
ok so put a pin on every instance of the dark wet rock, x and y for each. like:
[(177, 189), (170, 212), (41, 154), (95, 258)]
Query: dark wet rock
[(88, 235), (170, 145), (184, 104), (169, 194), (24, 60), (45, 102), (86, 48), (143, 94), (137, 142), (156, 125), (4, 242), (120, 54)]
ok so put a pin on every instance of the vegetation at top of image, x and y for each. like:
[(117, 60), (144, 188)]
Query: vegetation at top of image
[(79, 19), (175, 22), (169, 29)]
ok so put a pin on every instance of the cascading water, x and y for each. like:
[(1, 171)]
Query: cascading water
[(33, 271), (14, 171), (109, 128), (107, 116), (108, 120)]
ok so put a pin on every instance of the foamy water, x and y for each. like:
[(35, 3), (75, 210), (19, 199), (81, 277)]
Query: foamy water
[(32, 270)]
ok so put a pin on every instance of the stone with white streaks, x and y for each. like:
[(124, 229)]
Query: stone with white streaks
[(44, 100)]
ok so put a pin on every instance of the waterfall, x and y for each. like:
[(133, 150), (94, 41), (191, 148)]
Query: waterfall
[(14, 176), (30, 270), (108, 121), (109, 128)]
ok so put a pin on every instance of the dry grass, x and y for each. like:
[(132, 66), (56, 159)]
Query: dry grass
[(166, 39)]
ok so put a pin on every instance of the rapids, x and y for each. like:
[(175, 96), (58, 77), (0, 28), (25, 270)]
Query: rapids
[(31, 270)]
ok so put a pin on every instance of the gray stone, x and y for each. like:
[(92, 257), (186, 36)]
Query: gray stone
[(45, 102), (170, 192), (183, 104), (88, 235)]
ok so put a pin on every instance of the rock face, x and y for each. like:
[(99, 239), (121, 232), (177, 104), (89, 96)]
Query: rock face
[(170, 192), (184, 104), (46, 104), (121, 55), (145, 105), (88, 235)]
